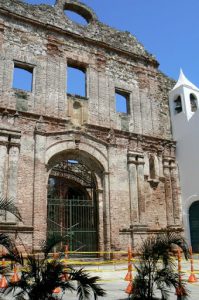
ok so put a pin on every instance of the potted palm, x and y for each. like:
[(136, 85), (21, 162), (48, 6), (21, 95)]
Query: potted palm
[(41, 277), (156, 269)]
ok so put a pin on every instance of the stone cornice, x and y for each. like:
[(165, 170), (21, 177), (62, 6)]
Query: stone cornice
[(64, 125)]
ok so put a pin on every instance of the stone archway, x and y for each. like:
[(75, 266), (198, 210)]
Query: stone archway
[(194, 225), (74, 199)]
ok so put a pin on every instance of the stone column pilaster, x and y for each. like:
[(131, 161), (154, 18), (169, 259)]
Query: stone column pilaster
[(168, 192), (101, 220), (40, 191), (160, 165), (107, 221), (177, 212), (3, 162), (133, 188), (12, 172), (136, 186), (12, 177), (3, 158), (140, 183)]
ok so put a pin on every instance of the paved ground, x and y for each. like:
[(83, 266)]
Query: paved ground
[(112, 280)]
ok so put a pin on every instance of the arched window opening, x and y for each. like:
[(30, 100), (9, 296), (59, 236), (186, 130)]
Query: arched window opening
[(76, 81), (151, 168), (178, 105), (193, 102), (79, 13), (75, 17)]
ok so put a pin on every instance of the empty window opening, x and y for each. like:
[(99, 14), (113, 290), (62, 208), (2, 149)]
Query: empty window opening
[(22, 78), (122, 102), (178, 105), (193, 102), (75, 17), (152, 168), (76, 81)]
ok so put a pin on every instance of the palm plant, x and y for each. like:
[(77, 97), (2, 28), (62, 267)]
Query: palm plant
[(156, 268), (7, 205), (40, 276)]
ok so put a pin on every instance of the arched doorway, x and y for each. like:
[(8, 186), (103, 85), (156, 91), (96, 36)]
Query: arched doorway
[(72, 205), (194, 225)]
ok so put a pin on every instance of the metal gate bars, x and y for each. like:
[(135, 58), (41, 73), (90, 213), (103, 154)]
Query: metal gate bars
[(75, 221)]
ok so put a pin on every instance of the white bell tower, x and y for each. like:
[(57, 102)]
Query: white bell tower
[(184, 107), (184, 102)]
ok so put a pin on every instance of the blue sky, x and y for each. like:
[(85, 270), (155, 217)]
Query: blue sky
[(167, 28)]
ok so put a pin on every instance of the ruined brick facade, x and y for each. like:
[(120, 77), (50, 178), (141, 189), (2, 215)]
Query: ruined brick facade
[(132, 154)]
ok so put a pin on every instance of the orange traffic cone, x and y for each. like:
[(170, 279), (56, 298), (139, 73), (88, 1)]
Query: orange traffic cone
[(192, 278), (55, 255), (15, 277), (129, 265), (129, 276), (57, 290), (129, 253), (129, 288), (3, 282)]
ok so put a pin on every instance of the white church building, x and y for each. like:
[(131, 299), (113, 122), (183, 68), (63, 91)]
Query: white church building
[(184, 106)]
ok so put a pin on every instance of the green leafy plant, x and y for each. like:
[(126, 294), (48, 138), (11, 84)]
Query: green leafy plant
[(7, 205), (156, 268), (40, 275)]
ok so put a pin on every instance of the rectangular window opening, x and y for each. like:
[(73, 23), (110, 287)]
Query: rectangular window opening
[(122, 101), (76, 81), (23, 77)]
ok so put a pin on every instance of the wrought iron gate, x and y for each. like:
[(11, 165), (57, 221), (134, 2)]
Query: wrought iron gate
[(75, 220)]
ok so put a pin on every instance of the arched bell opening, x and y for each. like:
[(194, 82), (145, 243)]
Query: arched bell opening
[(194, 225), (73, 203)]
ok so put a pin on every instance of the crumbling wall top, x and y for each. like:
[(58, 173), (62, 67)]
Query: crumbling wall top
[(47, 15)]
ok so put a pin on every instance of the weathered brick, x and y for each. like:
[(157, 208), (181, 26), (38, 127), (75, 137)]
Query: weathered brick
[(51, 126)]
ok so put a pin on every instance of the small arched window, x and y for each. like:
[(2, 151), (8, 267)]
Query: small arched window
[(151, 168), (193, 102), (78, 13), (178, 105)]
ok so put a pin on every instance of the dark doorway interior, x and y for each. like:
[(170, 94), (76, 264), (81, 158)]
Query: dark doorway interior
[(194, 225), (72, 206)]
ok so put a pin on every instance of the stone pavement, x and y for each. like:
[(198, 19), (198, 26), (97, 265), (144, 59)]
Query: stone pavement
[(112, 280)]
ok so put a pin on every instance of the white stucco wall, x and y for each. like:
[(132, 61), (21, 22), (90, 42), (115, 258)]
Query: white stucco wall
[(185, 126)]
